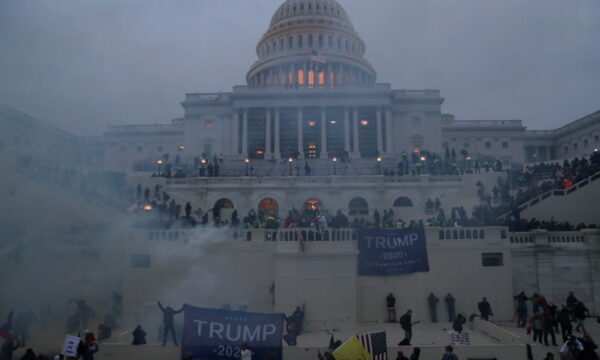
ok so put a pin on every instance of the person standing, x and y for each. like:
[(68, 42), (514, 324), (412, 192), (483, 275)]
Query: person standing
[(416, 354), (168, 322), (449, 354), (458, 323), (406, 325), (485, 309), (391, 307), (566, 326), (571, 302), (537, 325), (521, 309), (139, 336), (581, 313), (549, 327), (432, 301), (246, 353), (450, 301)]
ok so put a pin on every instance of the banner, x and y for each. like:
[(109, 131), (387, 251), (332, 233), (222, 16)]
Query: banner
[(392, 251), (219, 334), (70, 345)]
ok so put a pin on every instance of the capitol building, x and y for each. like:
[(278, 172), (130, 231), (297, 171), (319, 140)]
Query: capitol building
[(312, 101)]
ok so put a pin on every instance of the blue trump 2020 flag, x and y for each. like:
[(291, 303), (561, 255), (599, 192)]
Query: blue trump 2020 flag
[(219, 334), (392, 251)]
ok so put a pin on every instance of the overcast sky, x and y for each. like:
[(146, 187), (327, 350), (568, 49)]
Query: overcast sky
[(82, 65)]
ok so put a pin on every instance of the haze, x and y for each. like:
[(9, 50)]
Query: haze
[(82, 65)]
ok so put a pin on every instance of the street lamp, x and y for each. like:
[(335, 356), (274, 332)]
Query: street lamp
[(334, 165), (148, 207), (290, 161), (379, 160), (159, 163), (247, 161), (203, 167)]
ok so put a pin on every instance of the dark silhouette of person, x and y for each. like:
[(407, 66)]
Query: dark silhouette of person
[(29, 355), (9, 346), (450, 301), (406, 325), (485, 309), (432, 301), (521, 309), (458, 323), (139, 336), (391, 307), (168, 322)]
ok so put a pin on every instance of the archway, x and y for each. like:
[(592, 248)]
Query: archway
[(403, 201), (358, 206), (268, 206), (223, 209)]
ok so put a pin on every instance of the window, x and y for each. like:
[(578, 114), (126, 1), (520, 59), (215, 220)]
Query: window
[(597, 138), (300, 41), (159, 149), (492, 259), (139, 148), (575, 146), (321, 41), (585, 143), (140, 261), (488, 145), (209, 124), (281, 44), (358, 206), (466, 145), (505, 144), (310, 40), (123, 149), (330, 42), (290, 42), (339, 44), (416, 121)]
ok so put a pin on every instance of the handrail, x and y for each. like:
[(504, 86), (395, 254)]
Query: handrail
[(555, 192)]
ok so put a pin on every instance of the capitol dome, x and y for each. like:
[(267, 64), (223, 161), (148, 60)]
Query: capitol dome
[(310, 43)]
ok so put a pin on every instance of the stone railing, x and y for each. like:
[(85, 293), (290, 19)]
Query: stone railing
[(544, 237), (312, 180)]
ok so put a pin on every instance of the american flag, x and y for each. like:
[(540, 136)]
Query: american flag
[(317, 57), (375, 343)]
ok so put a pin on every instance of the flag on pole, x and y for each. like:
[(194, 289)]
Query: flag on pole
[(351, 349), (317, 57), (375, 343), (367, 346)]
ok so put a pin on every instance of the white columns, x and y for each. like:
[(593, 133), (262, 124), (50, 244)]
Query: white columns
[(277, 133), (245, 133), (379, 132), (300, 135), (356, 149), (347, 130), (235, 130), (268, 134), (389, 131), (324, 154)]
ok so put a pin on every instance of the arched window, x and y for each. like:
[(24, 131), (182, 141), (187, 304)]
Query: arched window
[(403, 201), (358, 206), (268, 206)]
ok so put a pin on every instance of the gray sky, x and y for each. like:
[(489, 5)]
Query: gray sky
[(82, 65)]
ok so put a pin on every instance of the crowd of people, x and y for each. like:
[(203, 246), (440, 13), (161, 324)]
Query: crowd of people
[(548, 320)]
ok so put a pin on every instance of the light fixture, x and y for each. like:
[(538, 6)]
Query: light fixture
[(247, 161), (148, 207), (159, 162), (364, 122), (333, 122), (334, 159), (312, 123), (423, 158), (290, 160), (181, 147), (203, 161), (379, 159)]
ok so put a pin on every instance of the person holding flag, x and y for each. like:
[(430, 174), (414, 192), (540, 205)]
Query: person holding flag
[(367, 346)]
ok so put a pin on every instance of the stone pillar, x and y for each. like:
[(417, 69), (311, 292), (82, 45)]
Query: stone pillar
[(277, 134), (235, 130), (592, 242), (356, 149), (543, 264), (305, 74), (379, 132), (268, 134), (294, 75), (245, 132), (347, 130), (389, 132), (324, 154), (300, 135)]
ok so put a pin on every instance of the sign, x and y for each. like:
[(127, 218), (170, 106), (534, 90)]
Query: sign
[(462, 338), (219, 334), (392, 251), (70, 345)]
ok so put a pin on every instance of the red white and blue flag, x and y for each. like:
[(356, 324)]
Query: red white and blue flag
[(317, 57), (375, 343)]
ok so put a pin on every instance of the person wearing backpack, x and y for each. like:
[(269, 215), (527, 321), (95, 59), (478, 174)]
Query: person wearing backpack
[(449, 354)]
